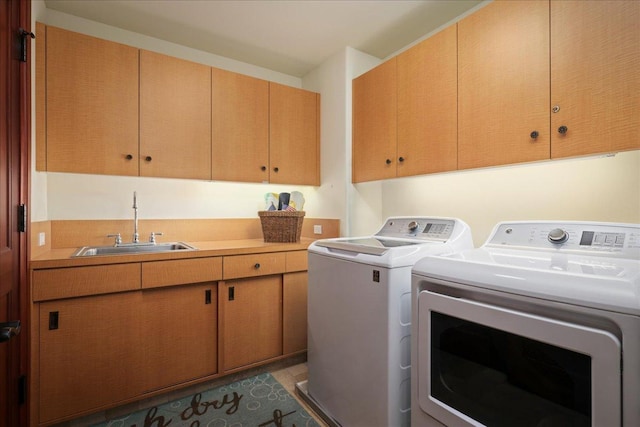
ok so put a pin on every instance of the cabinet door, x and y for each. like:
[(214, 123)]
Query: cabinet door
[(180, 334), (175, 117), (90, 353), (375, 123), (294, 135), (294, 312), (427, 106), (503, 84), (251, 320), (595, 82), (91, 105), (240, 127)]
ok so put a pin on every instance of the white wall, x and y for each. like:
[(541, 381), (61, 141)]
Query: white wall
[(329, 80), (605, 189), (341, 199)]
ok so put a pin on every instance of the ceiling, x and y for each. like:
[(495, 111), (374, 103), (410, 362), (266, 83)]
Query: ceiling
[(292, 37)]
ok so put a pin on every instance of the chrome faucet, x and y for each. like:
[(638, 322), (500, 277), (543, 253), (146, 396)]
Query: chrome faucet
[(136, 236)]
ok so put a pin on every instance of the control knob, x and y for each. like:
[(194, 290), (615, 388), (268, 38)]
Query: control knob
[(413, 225), (558, 235)]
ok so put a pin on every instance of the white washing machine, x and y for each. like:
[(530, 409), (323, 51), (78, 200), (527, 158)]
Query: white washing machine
[(359, 319), (539, 327)]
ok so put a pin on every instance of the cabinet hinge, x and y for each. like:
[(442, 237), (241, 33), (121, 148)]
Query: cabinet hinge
[(24, 37), (22, 218)]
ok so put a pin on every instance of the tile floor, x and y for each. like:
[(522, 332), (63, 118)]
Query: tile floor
[(288, 377), (288, 373)]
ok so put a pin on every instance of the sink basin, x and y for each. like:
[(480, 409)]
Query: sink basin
[(133, 249)]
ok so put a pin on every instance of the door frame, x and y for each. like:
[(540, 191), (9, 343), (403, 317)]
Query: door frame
[(18, 83)]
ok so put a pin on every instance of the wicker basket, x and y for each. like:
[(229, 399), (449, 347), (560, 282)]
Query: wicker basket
[(281, 226)]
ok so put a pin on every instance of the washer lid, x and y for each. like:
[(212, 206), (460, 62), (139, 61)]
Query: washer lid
[(400, 242), (366, 245)]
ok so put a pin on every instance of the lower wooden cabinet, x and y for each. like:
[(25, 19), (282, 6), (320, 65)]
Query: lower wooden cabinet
[(294, 312), (179, 330), (251, 319), (148, 329), (89, 352)]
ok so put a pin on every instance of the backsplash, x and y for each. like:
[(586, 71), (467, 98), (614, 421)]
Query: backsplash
[(76, 233)]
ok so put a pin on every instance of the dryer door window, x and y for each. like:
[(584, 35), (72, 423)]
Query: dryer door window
[(485, 365)]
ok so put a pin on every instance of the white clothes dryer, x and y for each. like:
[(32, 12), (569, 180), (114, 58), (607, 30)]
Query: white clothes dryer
[(539, 327), (359, 319)]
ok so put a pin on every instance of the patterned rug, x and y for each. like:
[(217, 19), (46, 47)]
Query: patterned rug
[(259, 401)]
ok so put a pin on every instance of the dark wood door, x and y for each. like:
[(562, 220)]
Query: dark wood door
[(14, 140)]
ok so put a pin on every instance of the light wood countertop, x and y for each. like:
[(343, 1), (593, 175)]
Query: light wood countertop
[(56, 258)]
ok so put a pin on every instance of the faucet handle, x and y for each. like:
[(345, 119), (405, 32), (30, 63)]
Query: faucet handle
[(152, 238), (118, 238)]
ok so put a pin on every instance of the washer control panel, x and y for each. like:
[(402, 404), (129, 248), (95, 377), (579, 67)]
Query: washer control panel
[(581, 236), (434, 229)]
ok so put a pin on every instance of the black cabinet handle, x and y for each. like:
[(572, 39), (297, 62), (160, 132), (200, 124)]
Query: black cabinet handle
[(148, 158), (53, 320), (207, 296), (257, 265), (276, 169), (534, 134), (128, 157), (388, 161), (263, 168), (232, 293), (562, 130), (401, 159)]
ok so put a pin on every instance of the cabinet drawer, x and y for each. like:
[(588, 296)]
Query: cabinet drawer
[(181, 271), (253, 265), (297, 261), (80, 281)]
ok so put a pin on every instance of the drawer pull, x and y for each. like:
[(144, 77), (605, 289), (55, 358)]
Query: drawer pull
[(207, 296), (232, 293), (257, 265), (53, 320)]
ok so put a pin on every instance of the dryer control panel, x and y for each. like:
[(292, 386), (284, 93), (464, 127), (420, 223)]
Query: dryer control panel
[(609, 238)]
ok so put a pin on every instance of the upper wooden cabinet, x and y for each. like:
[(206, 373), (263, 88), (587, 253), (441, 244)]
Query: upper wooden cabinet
[(405, 112), (427, 106), (595, 77), (294, 135), (240, 127), (535, 80), (91, 104), (375, 123), (503, 84), (175, 117), (106, 108)]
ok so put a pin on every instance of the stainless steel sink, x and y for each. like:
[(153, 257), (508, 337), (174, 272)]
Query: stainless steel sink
[(140, 248)]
